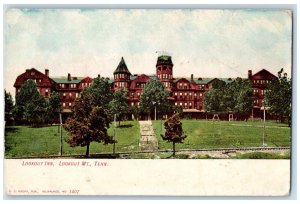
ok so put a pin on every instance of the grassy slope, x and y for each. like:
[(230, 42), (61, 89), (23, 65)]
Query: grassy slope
[(21, 141), (216, 134)]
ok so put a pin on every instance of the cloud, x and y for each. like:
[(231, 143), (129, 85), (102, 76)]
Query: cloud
[(87, 42)]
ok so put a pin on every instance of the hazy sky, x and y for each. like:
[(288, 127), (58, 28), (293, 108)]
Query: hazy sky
[(207, 43)]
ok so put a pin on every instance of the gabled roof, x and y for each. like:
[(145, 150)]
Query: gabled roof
[(141, 78), (263, 71), (19, 78), (122, 67), (182, 79)]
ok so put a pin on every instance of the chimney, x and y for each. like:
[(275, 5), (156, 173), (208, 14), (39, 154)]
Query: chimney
[(98, 75), (249, 74), (47, 72), (69, 77), (192, 77)]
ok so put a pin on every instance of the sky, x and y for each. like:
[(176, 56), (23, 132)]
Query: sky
[(88, 42)]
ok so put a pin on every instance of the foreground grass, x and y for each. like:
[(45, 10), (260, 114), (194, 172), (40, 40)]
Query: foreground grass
[(23, 141), (225, 134)]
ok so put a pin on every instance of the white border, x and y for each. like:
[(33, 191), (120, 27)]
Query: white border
[(162, 3)]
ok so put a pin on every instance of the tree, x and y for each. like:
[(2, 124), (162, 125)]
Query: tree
[(154, 96), (9, 106), (89, 122), (101, 92), (119, 104), (30, 104), (134, 111), (212, 100), (235, 96), (174, 132), (243, 96), (279, 96), (218, 84), (54, 107)]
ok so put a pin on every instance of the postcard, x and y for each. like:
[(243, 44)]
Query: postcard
[(159, 102)]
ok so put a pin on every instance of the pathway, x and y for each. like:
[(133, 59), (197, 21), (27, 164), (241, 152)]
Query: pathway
[(148, 139)]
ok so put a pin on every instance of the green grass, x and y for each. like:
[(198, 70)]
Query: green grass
[(225, 134), (23, 141), (262, 155)]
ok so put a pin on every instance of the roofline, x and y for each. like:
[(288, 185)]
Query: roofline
[(263, 70)]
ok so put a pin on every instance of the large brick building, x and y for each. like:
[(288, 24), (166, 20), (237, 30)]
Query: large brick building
[(69, 87), (188, 93), (259, 81)]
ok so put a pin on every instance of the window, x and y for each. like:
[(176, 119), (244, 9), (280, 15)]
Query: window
[(64, 104), (180, 103), (200, 94), (180, 94), (175, 103), (70, 104), (132, 103), (32, 73), (70, 94), (185, 94), (190, 93), (180, 85), (175, 93), (138, 103), (76, 95)]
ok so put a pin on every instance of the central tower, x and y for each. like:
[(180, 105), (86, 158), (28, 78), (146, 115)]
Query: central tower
[(164, 70)]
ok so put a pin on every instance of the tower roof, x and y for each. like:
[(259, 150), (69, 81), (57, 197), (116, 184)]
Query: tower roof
[(122, 68), (164, 59)]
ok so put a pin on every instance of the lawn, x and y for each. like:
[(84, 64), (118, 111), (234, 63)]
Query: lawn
[(23, 141), (219, 134)]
